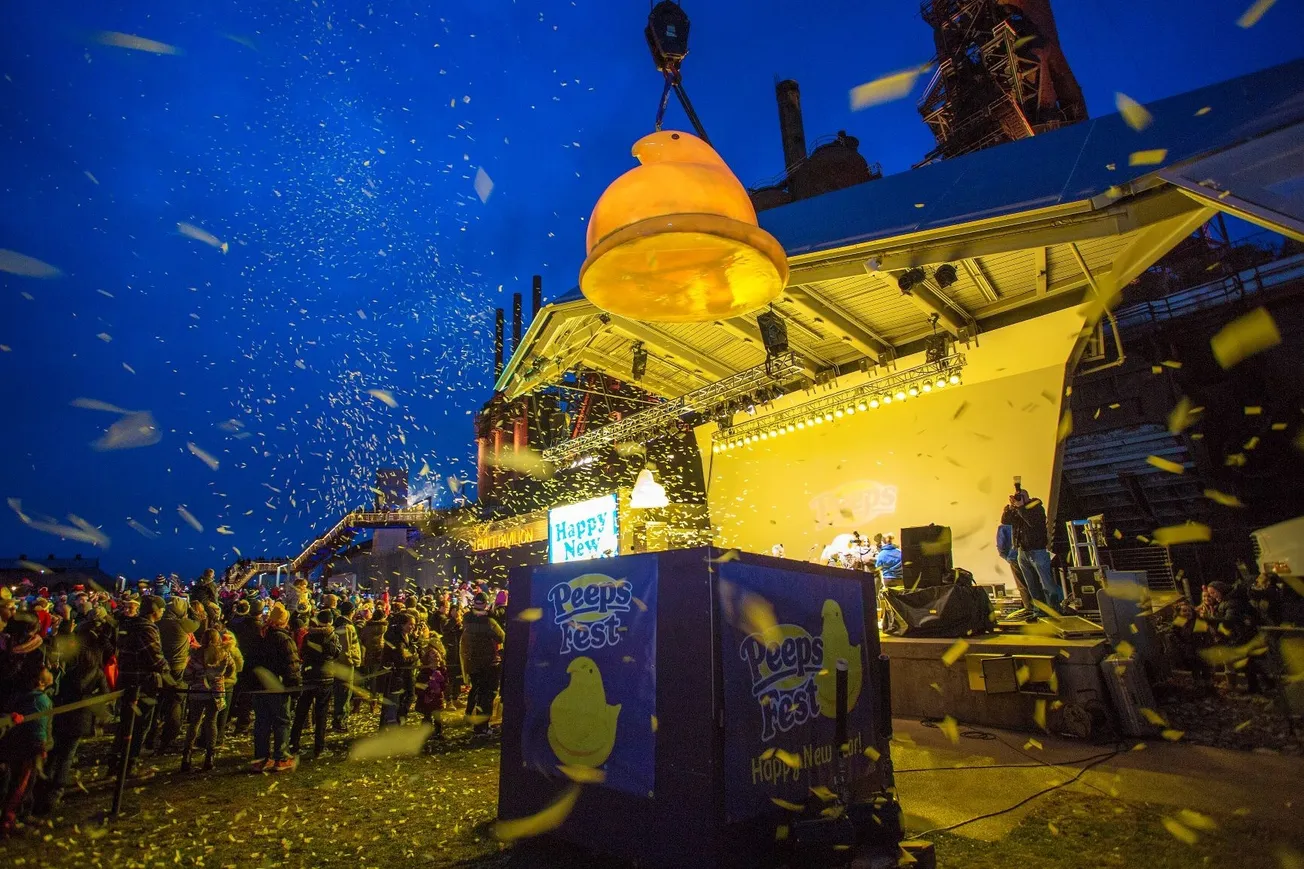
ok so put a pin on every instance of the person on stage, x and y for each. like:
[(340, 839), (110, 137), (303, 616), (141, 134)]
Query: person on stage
[(888, 560), (1005, 547)]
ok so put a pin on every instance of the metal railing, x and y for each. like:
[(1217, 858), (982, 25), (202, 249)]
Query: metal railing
[(1212, 294)]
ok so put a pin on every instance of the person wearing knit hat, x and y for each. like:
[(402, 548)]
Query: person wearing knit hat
[(248, 635), (278, 655)]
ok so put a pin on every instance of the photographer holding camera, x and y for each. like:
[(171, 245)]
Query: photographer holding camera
[(1031, 539)]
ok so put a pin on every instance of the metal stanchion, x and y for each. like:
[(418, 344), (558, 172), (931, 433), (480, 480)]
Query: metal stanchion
[(124, 764)]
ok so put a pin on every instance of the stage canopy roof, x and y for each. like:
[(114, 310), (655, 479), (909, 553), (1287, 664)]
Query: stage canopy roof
[(1030, 227)]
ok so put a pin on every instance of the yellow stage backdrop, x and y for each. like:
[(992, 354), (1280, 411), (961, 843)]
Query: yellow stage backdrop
[(948, 457)]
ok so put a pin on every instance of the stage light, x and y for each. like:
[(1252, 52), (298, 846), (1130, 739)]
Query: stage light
[(914, 391), (851, 410), (819, 420), (828, 417), (764, 436), (791, 428), (927, 387), (838, 413), (774, 433), (955, 378), (861, 406), (781, 431), (899, 395), (715, 448), (945, 275), (941, 382), (906, 282), (800, 424), (887, 399), (873, 402)]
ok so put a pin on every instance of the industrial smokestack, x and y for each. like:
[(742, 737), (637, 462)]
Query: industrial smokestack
[(791, 129), (538, 294), (516, 322), (498, 343)]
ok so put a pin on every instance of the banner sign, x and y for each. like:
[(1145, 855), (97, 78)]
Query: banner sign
[(779, 683), (590, 673), (589, 529)]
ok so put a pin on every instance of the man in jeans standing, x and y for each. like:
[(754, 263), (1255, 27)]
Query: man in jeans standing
[(481, 653), (1005, 547), (1031, 539)]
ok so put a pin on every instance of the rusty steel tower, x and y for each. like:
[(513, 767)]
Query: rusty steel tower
[(1001, 75)]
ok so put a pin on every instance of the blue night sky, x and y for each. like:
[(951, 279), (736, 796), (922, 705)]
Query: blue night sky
[(332, 144)]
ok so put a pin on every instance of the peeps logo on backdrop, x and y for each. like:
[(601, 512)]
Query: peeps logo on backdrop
[(782, 663), (854, 503), (590, 674), (588, 610), (789, 675)]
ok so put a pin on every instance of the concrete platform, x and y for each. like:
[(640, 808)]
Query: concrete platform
[(942, 783), (923, 686)]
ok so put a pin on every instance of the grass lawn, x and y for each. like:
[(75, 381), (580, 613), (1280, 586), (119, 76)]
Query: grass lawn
[(437, 810)]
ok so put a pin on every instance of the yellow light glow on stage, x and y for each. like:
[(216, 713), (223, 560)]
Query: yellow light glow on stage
[(676, 240)]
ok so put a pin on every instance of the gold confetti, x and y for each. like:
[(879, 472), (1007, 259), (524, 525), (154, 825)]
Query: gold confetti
[(1032, 743), (873, 754), (1235, 460), (823, 793), (1251, 16), (137, 43), (1039, 714), (585, 775), (191, 231), (1179, 831), (484, 185), (1153, 717), (1152, 157), (1223, 498), (15, 263), (1251, 443), (1065, 426), (1134, 114), (1054, 830), (1253, 411), (1165, 465), (951, 655), (391, 742), (1190, 532), (1196, 821), (189, 519), (203, 456), (788, 759), (1182, 416), (1244, 724), (784, 804), (533, 614), (948, 727), (1243, 337), (654, 724), (545, 821), (887, 88), (96, 404), (383, 396), (1172, 735)]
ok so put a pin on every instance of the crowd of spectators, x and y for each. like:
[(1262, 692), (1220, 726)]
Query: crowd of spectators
[(171, 670)]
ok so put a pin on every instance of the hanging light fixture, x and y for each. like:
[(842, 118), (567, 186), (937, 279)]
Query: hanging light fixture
[(648, 493), (675, 239)]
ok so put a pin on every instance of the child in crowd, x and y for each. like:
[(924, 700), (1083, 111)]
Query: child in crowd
[(430, 684)]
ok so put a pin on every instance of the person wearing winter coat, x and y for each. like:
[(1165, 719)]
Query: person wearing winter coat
[(176, 634), (346, 665), (481, 652), (320, 649), (23, 748), (399, 663), (277, 662), (372, 637), (80, 656), (207, 672), (430, 684), (142, 669), (247, 633)]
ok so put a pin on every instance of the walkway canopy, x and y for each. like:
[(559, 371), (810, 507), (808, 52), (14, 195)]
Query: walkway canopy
[(1030, 227)]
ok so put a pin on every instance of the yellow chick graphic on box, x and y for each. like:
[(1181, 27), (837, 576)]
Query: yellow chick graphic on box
[(837, 644), (581, 726)]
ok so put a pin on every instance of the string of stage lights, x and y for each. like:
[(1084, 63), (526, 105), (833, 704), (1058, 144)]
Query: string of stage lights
[(896, 387)]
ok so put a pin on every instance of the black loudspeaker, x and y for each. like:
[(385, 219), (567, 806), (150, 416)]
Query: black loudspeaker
[(774, 333), (926, 555)]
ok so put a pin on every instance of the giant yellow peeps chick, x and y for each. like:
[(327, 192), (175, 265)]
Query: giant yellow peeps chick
[(837, 644), (581, 726)]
